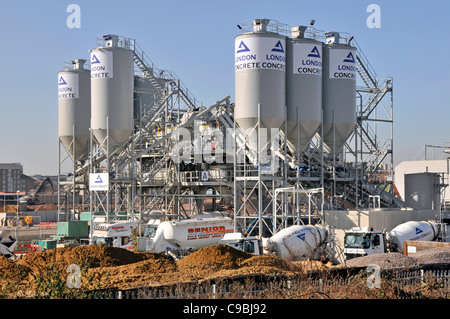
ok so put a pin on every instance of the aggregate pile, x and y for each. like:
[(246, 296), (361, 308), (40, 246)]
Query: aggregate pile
[(389, 261)]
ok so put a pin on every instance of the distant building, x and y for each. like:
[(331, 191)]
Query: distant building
[(11, 177)]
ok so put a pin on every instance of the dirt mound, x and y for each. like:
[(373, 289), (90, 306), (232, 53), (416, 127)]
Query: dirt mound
[(385, 261), (149, 271), (91, 256), (266, 261), (8, 208), (10, 271), (44, 207), (103, 266), (213, 258)]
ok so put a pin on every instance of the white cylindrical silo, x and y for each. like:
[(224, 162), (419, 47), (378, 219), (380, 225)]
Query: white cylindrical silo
[(112, 81), (339, 92), (303, 87), (74, 110), (260, 81)]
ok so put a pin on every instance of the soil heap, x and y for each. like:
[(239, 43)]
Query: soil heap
[(105, 267)]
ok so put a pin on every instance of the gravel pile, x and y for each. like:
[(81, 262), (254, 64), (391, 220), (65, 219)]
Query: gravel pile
[(385, 261), (440, 255)]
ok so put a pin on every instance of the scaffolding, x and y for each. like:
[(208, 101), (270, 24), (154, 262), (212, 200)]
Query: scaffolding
[(264, 188)]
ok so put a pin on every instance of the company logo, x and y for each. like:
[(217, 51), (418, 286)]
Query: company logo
[(302, 236), (94, 59), (349, 58), (242, 48), (315, 53), (98, 179), (418, 231), (278, 47), (62, 81)]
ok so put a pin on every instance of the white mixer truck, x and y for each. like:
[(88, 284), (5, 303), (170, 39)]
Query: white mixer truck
[(363, 241), (297, 242), (117, 234), (182, 236)]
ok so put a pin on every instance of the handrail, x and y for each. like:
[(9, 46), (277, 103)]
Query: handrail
[(167, 75)]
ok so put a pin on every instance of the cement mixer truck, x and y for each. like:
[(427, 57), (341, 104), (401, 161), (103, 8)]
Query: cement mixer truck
[(180, 237), (297, 242), (363, 241)]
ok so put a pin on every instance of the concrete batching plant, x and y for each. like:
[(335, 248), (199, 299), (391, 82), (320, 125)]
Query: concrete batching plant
[(275, 157)]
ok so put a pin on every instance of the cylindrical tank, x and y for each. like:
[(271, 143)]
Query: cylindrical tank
[(74, 110), (422, 190), (412, 230), (260, 77), (192, 233), (112, 82), (303, 87), (296, 242), (339, 91)]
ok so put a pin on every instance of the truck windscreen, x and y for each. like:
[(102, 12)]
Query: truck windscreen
[(357, 240), (103, 240)]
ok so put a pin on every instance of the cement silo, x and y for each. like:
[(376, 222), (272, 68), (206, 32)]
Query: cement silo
[(74, 110), (112, 81), (339, 91), (260, 77), (303, 87)]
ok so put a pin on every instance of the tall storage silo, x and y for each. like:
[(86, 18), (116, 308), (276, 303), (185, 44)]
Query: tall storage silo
[(112, 81), (260, 79), (74, 110), (303, 87), (339, 92)]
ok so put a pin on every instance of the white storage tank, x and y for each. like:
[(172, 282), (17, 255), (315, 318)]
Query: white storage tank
[(339, 91), (303, 87), (260, 77), (112, 81), (74, 110), (412, 230), (297, 242), (422, 191)]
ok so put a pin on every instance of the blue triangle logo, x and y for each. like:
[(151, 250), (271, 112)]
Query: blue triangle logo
[(278, 47), (314, 53), (350, 58), (98, 179), (418, 231), (242, 48), (302, 236), (62, 81), (94, 59)]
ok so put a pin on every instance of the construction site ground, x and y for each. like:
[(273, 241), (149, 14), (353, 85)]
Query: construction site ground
[(103, 267)]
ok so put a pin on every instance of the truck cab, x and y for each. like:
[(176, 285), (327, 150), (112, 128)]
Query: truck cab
[(120, 234), (151, 227), (363, 241), (238, 241)]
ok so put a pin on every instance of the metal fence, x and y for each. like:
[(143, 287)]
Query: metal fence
[(261, 286)]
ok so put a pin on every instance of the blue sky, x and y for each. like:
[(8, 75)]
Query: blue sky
[(195, 38)]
